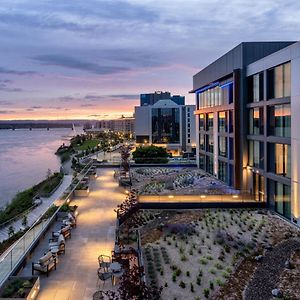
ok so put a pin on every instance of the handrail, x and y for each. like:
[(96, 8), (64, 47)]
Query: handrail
[(37, 235)]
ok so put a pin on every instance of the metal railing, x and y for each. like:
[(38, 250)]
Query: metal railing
[(12, 257)]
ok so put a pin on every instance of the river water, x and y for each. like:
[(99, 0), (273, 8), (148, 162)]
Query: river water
[(25, 157)]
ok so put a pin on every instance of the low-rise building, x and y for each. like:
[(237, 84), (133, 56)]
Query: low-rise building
[(122, 125)]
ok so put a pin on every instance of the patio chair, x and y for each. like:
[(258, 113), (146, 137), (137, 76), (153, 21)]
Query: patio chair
[(65, 231), (58, 243), (104, 262), (70, 221), (103, 276), (45, 265)]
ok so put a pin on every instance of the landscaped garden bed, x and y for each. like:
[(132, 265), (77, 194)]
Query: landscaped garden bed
[(181, 181), (216, 254), (20, 288)]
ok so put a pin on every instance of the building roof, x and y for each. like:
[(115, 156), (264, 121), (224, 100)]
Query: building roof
[(166, 102)]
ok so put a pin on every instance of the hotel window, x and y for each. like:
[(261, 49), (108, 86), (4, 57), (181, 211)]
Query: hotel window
[(256, 120), (283, 199), (222, 171), (202, 161), (210, 143), (230, 121), (256, 154), (231, 150), (201, 122), (210, 165), (280, 162), (279, 81), (222, 118), (210, 122), (202, 141), (222, 146), (256, 87), (280, 120)]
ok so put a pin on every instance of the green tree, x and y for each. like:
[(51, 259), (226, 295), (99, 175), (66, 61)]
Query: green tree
[(150, 154)]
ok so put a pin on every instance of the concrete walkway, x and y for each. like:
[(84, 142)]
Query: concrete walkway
[(34, 214), (76, 274)]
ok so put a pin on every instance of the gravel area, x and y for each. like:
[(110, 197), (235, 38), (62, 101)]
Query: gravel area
[(267, 274)]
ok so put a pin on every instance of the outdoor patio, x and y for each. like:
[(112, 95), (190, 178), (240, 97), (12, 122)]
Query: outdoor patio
[(76, 273)]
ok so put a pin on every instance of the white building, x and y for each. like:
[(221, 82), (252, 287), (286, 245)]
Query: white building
[(166, 124)]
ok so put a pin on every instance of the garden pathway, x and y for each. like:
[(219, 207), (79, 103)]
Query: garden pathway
[(267, 274), (34, 214)]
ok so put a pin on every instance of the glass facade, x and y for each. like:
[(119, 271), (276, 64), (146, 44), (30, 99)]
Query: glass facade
[(283, 160), (222, 171), (256, 120), (222, 121), (201, 122), (283, 199), (202, 141), (280, 120), (165, 126), (256, 154), (210, 165), (219, 94), (256, 87), (279, 81), (210, 122), (210, 143), (202, 161), (222, 146)]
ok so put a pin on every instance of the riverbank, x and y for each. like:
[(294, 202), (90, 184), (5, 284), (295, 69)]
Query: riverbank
[(25, 199)]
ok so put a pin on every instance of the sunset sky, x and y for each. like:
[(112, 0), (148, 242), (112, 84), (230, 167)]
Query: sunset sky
[(68, 59)]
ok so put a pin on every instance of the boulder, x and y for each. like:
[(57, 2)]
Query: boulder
[(277, 293)]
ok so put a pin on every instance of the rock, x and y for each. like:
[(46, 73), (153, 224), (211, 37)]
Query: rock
[(277, 293), (259, 257), (288, 264)]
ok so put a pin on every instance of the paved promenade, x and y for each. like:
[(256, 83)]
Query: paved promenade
[(76, 274), (39, 210)]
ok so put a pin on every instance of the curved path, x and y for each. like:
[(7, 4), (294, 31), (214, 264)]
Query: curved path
[(267, 274)]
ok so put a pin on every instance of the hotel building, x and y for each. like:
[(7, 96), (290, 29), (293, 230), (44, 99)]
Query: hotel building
[(166, 124), (247, 103)]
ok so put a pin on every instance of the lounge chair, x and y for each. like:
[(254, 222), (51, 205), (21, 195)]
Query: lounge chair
[(65, 231), (57, 244), (45, 265)]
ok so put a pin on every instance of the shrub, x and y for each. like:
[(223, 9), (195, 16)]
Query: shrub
[(174, 277), (219, 266), (219, 282), (188, 273), (206, 293), (192, 288), (182, 284), (212, 270), (203, 261), (211, 285), (198, 281), (225, 274)]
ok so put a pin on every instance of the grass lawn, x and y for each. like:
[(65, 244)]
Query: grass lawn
[(88, 144)]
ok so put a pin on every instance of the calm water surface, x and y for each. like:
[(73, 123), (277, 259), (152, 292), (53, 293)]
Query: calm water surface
[(25, 157)]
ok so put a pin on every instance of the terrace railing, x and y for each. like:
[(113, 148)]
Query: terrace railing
[(11, 258)]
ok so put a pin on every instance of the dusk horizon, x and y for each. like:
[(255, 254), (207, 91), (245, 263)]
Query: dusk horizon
[(92, 60)]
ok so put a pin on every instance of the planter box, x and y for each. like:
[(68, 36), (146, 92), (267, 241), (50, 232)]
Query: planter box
[(81, 193), (33, 291)]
